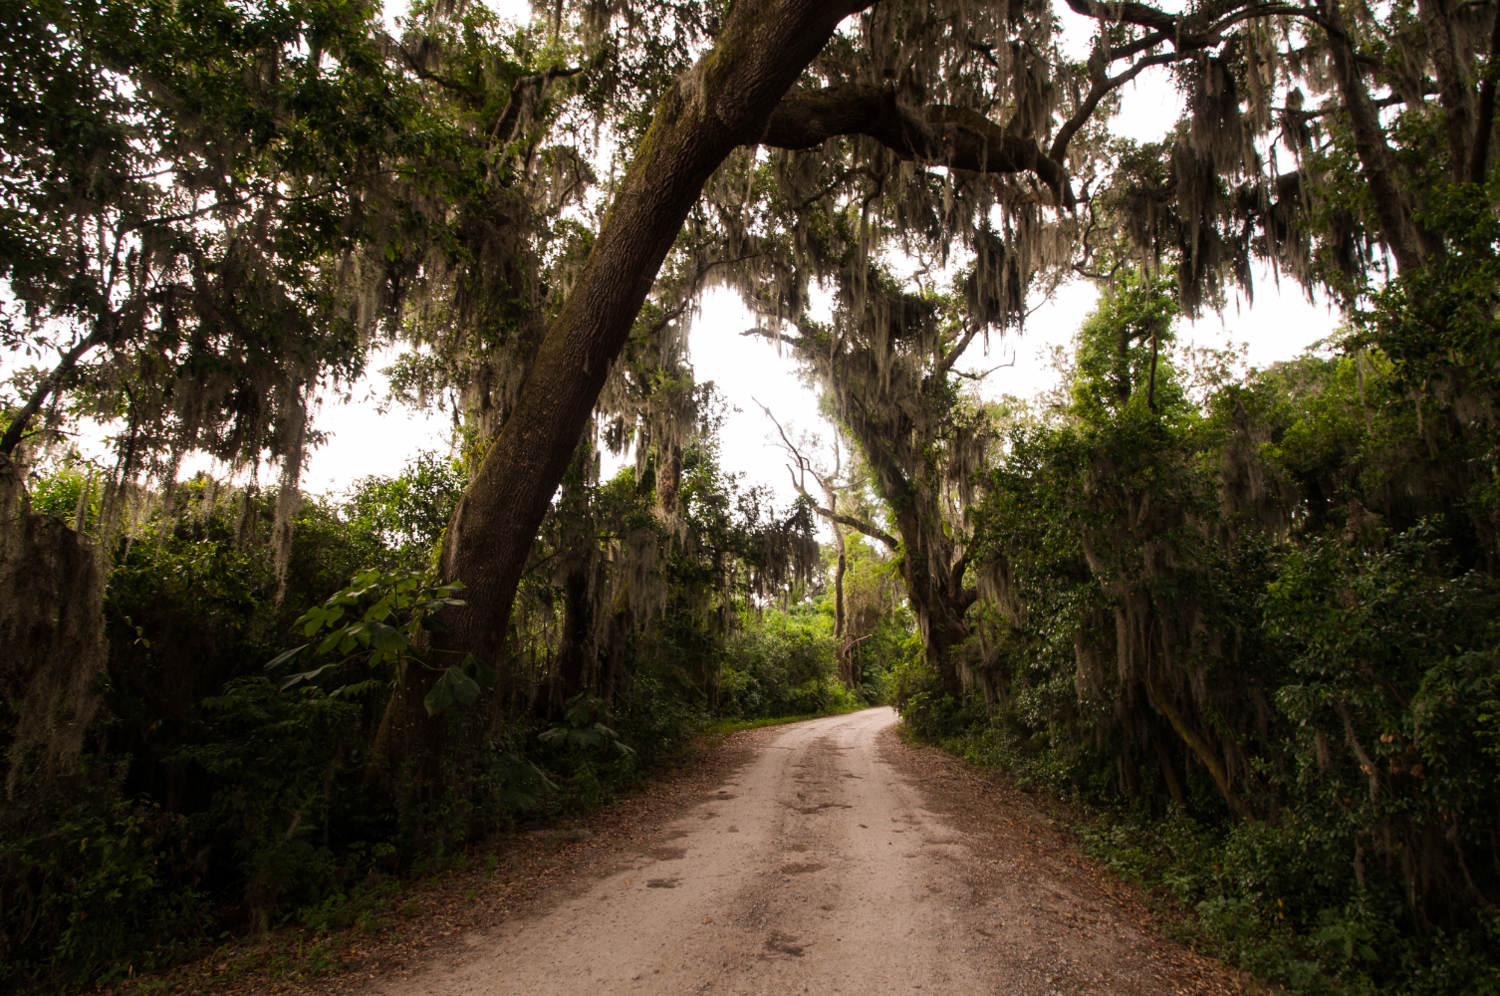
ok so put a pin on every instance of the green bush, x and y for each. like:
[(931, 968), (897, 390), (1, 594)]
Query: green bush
[(1256, 630), (96, 890), (782, 665)]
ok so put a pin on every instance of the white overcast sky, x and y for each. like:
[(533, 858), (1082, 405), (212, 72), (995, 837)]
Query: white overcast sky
[(1280, 325)]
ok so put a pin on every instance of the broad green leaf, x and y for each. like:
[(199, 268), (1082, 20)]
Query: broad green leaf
[(283, 658), (291, 680), (453, 687), (477, 669), (387, 638), (438, 700)]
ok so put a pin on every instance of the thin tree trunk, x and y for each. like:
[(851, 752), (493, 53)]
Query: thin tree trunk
[(841, 639)]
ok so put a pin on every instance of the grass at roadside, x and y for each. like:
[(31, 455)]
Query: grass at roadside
[(724, 727)]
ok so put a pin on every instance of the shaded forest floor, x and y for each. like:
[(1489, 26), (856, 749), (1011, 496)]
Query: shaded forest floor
[(1022, 888)]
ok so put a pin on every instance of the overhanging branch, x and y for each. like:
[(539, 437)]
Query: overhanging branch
[(955, 137)]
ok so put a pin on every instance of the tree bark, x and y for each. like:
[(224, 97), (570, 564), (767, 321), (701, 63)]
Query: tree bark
[(840, 618), (926, 562)]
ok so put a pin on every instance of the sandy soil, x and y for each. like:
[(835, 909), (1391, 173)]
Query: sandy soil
[(820, 857)]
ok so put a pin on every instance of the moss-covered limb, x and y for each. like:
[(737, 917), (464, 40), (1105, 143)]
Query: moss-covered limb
[(1101, 87), (1204, 29), (44, 389), (1205, 753), (955, 137), (1199, 28), (874, 532), (1403, 236)]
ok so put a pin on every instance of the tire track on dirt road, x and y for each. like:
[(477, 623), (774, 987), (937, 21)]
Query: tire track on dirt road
[(834, 860)]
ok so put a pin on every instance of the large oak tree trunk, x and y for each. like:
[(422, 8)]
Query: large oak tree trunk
[(724, 102), (939, 610), (937, 597)]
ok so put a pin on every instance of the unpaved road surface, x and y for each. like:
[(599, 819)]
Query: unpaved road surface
[(831, 859)]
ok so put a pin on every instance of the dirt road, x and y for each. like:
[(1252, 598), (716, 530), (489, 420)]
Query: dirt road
[(826, 862)]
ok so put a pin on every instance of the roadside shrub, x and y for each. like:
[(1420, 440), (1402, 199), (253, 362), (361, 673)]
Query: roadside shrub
[(96, 890), (783, 665)]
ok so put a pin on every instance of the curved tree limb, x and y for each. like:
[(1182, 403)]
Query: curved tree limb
[(43, 390), (1205, 753), (1203, 28), (872, 531), (955, 137), (512, 108), (946, 363), (1102, 87), (1200, 28)]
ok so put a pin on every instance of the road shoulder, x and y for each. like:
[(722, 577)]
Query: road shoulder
[(1036, 896)]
